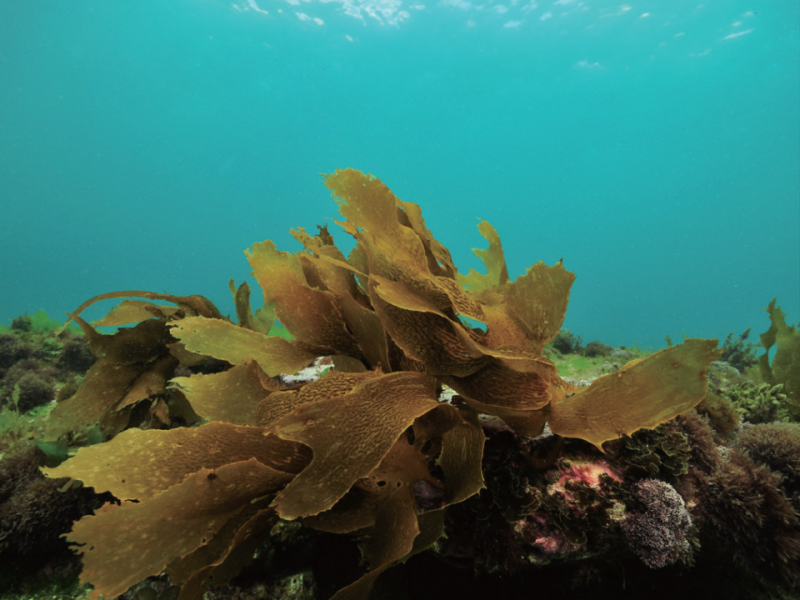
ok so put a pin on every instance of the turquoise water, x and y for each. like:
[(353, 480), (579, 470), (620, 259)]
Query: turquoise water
[(655, 146)]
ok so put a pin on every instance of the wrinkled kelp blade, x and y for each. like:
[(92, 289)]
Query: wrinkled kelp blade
[(439, 260), (462, 452), (190, 305), (370, 206), (231, 549), (231, 396), (408, 463), (103, 388), (333, 385), (333, 272), (395, 251), (130, 345), (308, 313), (642, 394), (492, 258), (498, 385), (262, 321), (134, 311), (391, 539), (226, 341), (539, 299), (422, 331), (153, 382), (125, 544), (349, 436), (138, 464), (785, 367)]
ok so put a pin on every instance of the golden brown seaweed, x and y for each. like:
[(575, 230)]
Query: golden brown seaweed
[(785, 367), (226, 341), (310, 314), (231, 396), (264, 318), (342, 453), (135, 311), (374, 414), (125, 544), (125, 466), (643, 394)]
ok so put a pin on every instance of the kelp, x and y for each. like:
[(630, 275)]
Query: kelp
[(672, 381), (785, 366), (343, 453)]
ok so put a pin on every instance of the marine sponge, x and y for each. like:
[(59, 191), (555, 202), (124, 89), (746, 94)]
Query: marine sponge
[(659, 535)]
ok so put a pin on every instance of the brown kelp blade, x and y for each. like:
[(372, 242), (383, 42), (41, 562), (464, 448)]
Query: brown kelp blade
[(135, 311), (231, 549), (492, 258), (446, 435), (310, 314), (231, 396), (262, 320), (226, 341), (391, 539), (125, 544), (154, 460), (642, 394), (191, 305), (785, 367), (349, 435)]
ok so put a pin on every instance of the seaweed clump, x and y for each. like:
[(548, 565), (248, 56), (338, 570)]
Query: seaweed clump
[(596, 348), (664, 452), (34, 512), (747, 513), (539, 507), (738, 352), (567, 342), (368, 449), (785, 366), (762, 403), (660, 534), (12, 350), (776, 446), (721, 412), (75, 355), (34, 391), (39, 363)]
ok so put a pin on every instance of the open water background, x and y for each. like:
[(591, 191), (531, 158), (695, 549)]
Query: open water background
[(654, 145)]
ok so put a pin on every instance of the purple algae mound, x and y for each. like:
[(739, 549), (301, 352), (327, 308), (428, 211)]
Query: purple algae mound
[(658, 536)]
